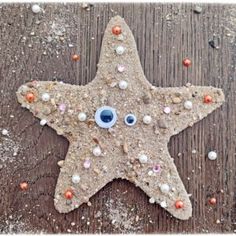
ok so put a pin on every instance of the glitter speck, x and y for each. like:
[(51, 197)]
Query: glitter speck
[(157, 168), (62, 107), (167, 110), (87, 164), (121, 68)]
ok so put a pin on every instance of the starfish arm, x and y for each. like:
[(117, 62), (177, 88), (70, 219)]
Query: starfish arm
[(129, 59), (167, 175), (57, 111), (92, 178), (182, 115)]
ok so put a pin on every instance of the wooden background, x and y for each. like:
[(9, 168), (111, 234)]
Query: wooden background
[(39, 47)]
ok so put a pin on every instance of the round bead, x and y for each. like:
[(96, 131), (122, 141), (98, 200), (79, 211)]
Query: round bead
[(121, 68), (179, 204), (75, 57), (120, 50), (143, 158), (167, 110), (156, 168), (123, 84), (212, 201), (188, 105), (36, 8), (163, 204), (30, 97), (5, 132), (43, 122), (97, 151), (147, 119), (82, 116), (116, 30), (208, 99), (23, 186), (45, 97), (187, 62), (165, 188), (68, 194), (75, 178), (212, 155), (152, 200), (87, 164)]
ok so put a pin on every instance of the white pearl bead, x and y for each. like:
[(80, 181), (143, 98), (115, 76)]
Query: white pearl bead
[(97, 151), (43, 122), (45, 97), (188, 105), (212, 155), (147, 120), (82, 116), (150, 172), (163, 204), (4, 132), (152, 200), (165, 188), (120, 50), (123, 84), (143, 158), (75, 178), (36, 8)]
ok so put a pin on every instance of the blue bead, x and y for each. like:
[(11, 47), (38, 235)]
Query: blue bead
[(106, 116)]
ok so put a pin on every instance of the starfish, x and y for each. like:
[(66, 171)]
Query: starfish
[(119, 125)]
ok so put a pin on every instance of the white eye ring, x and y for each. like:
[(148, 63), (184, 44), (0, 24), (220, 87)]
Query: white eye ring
[(132, 120), (106, 120)]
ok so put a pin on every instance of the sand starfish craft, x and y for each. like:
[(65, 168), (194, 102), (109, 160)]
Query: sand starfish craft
[(119, 125)]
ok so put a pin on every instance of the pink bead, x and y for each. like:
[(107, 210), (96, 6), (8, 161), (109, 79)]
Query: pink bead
[(62, 107), (87, 164), (121, 68), (157, 168), (167, 110)]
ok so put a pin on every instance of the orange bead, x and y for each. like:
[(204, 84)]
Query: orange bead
[(187, 62), (208, 99), (30, 97), (179, 204), (23, 186), (212, 201), (69, 194), (116, 30), (75, 57)]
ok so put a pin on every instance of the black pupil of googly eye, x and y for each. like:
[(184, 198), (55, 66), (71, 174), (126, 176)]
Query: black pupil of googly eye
[(130, 119), (106, 116)]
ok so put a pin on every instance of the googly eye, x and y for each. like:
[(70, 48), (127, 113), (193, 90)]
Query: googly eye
[(105, 117), (130, 119)]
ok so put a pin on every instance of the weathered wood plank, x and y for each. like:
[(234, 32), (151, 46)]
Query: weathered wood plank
[(37, 47)]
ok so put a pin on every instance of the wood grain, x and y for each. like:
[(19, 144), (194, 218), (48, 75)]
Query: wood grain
[(165, 34)]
